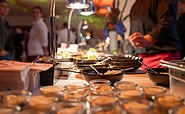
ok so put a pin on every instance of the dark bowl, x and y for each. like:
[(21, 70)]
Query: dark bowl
[(87, 63), (126, 61), (65, 60), (90, 74), (159, 78)]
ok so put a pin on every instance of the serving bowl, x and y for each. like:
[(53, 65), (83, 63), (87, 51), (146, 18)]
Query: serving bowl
[(126, 61), (159, 78), (111, 74)]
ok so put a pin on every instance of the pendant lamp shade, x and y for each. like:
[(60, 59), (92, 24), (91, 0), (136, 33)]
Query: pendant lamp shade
[(88, 11), (77, 4)]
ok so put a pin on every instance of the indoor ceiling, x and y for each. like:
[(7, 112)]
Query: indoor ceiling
[(23, 7)]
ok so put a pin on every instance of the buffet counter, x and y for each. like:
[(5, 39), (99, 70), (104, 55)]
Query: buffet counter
[(139, 78)]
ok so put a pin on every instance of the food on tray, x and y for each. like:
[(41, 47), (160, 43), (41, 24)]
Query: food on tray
[(79, 76), (112, 72)]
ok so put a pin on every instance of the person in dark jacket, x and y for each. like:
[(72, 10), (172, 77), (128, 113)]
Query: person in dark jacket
[(154, 31), (6, 34), (181, 26)]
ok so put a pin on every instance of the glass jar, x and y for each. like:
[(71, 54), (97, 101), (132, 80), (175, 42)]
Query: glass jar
[(125, 85), (107, 109), (30, 111), (178, 110), (167, 102), (51, 91), (129, 95), (101, 100), (77, 86), (152, 91), (102, 89), (6, 110), (73, 95), (69, 108), (139, 107), (15, 98), (99, 82), (41, 103)]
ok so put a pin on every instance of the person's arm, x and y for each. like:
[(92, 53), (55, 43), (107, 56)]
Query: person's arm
[(139, 40), (166, 14)]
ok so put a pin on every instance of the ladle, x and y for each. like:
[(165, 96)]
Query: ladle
[(148, 67), (43, 59), (137, 58), (94, 69), (101, 62)]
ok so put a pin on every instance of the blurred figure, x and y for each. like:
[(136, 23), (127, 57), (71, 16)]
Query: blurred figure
[(7, 34), (18, 43), (38, 37), (154, 31), (62, 35), (181, 26)]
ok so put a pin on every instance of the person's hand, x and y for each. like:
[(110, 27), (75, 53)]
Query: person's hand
[(4, 53), (141, 41)]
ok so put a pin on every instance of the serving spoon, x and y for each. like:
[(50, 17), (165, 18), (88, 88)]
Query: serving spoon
[(94, 69), (137, 58)]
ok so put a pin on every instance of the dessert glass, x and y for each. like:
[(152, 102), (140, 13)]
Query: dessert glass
[(101, 100), (107, 109), (41, 103), (102, 89), (51, 91), (129, 95), (153, 91), (125, 85), (16, 98), (69, 108), (139, 107), (99, 82), (167, 102)]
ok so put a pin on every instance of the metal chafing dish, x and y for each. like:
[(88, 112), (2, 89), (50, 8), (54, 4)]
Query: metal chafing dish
[(177, 75)]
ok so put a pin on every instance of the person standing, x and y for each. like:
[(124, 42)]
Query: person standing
[(38, 37), (154, 31), (7, 34), (181, 26), (62, 35)]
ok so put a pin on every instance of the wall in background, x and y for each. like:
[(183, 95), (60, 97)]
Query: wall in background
[(26, 20)]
